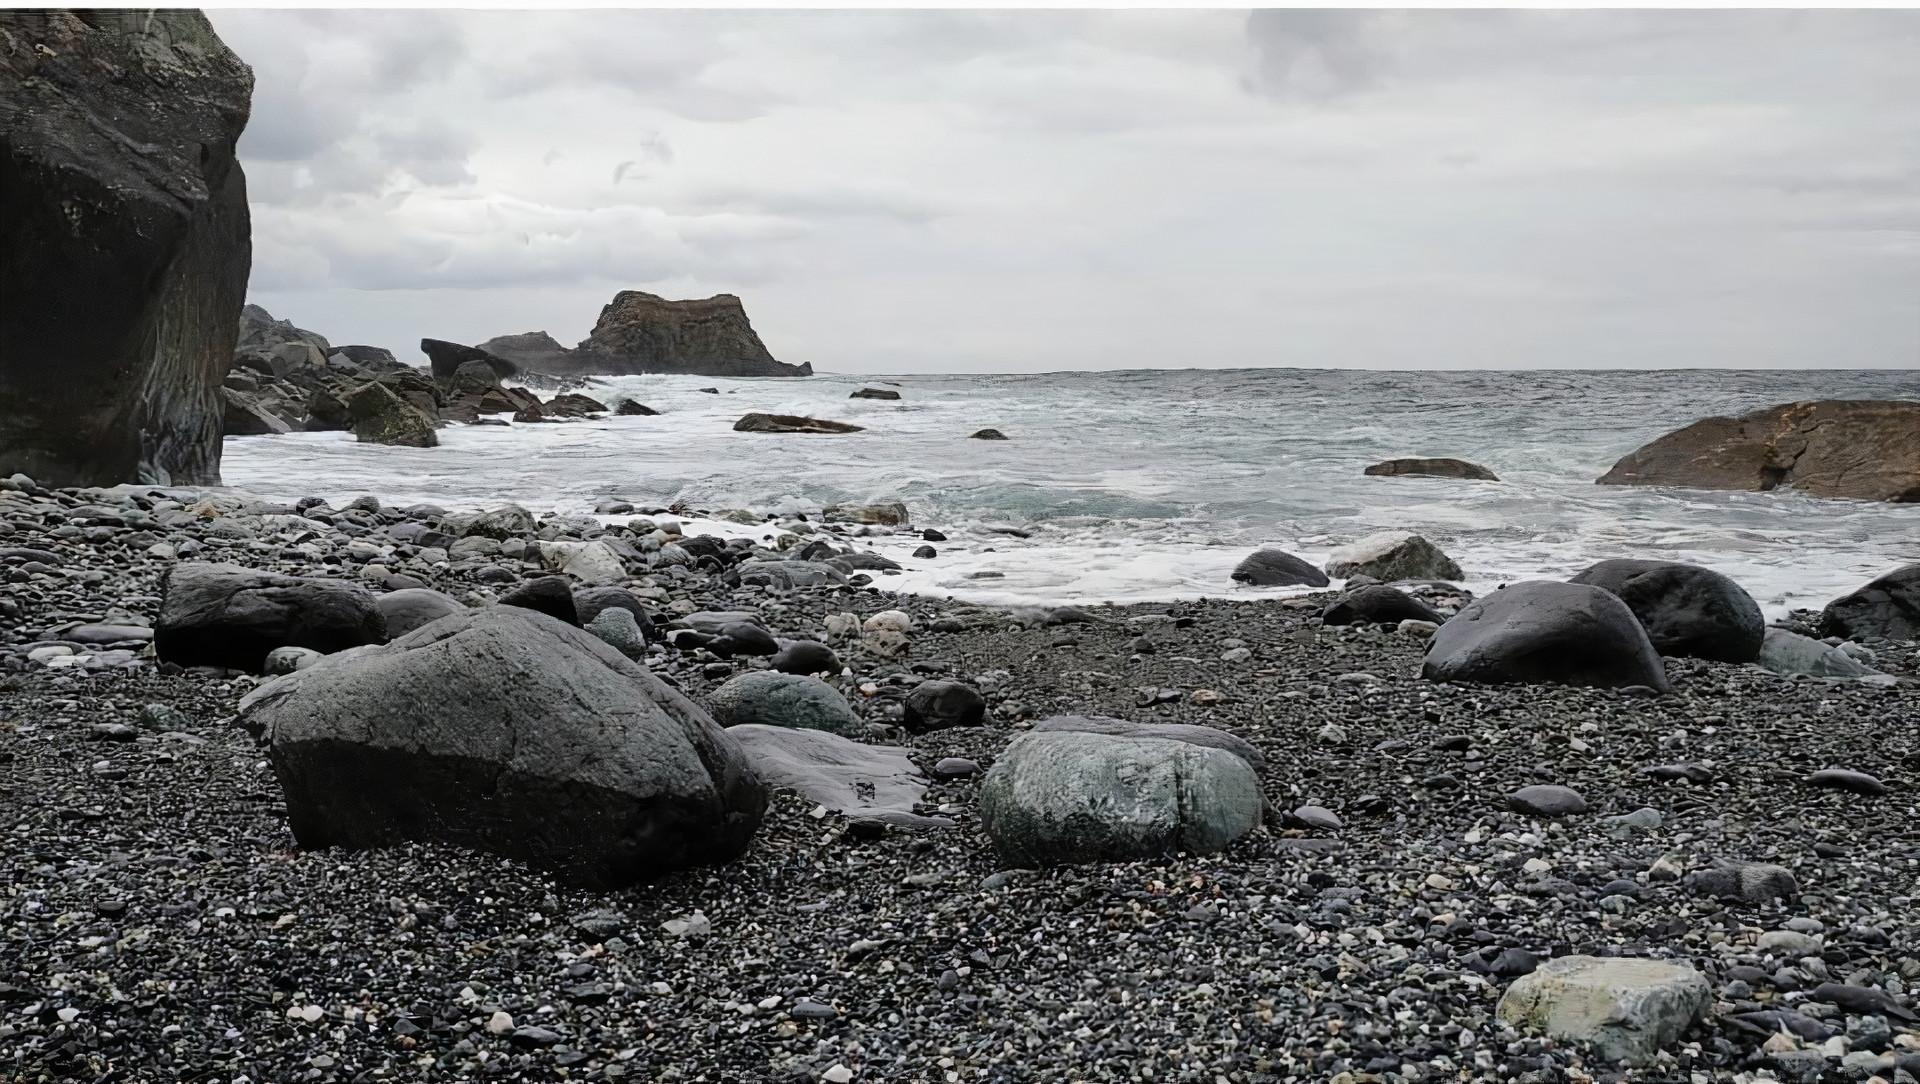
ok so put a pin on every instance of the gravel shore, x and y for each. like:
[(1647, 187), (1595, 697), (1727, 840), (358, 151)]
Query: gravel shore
[(160, 924)]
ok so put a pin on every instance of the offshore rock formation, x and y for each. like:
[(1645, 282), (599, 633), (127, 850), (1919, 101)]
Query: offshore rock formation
[(1859, 448), (124, 245), (644, 333)]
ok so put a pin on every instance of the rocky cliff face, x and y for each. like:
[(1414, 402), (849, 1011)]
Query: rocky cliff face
[(643, 333), (1862, 449), (124, 244)]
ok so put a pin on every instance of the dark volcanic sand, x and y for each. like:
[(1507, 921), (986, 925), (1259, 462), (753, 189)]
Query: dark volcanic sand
[(160, 925)]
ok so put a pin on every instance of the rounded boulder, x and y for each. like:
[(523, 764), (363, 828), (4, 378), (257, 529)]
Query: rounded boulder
[(1069, 796), (1686, 609), (1545, 632), (795, 701), (507, 731)]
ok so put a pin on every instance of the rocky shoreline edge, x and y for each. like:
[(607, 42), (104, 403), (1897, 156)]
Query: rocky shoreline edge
[(163, 920)]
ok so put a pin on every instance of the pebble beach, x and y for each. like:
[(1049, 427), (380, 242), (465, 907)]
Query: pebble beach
[(161, 922)]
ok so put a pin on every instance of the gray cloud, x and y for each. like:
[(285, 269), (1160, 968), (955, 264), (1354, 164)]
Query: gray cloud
[(1116, 188)]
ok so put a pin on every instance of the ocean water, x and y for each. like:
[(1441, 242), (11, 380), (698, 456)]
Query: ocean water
[(1150, 486)]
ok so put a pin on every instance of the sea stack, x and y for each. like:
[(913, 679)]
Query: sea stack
[(643, 333), (124, 245)]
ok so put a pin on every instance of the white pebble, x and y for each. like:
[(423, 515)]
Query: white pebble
[(839, 1074), (500, 1022)]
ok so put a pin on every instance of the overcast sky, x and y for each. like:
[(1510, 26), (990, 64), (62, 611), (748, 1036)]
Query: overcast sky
[(1020, 191)]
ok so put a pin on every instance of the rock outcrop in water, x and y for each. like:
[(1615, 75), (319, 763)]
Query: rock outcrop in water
[(1432, 468), (1862, 449), (124, 245), (644, 333)]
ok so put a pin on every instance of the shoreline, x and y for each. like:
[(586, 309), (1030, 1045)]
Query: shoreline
[(1375, 949)]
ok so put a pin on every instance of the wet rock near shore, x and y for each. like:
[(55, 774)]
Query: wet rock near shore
[(1860, 449)]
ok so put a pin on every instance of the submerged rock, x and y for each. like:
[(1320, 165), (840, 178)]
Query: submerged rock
[(790, 423), (875, 393), (124, 245), (1686, 609), (987, 434), (509, 732), (1392, 555), (1863, 449), (1541, 631), (1432, 468), (1627, 1010), (1066, 797)]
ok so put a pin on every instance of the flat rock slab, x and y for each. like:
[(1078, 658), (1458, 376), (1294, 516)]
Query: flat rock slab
[(1627, 1010), (1794, 655), (844, 775)]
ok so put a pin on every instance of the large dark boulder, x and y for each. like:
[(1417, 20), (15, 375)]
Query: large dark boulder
[(643, 333), (1865, 449), (1886, 609), (506, 731), (124, 244), (1271, 567), (224, 615), (445, 359), (1686, 609), (1544, 632)]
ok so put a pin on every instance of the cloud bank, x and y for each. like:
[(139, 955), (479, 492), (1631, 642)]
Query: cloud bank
[(1018, 191)]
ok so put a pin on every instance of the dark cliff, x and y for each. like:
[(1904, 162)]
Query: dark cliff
[(124, 246)]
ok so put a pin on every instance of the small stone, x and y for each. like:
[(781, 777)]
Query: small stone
[(1318, 817), (1547, 800), (500, 1023), (837, 1074), (1788, 943)]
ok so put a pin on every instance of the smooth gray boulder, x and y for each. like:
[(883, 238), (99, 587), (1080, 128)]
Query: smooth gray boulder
[(1545, 632), (795, 701), (1392, 555), (846, 776), (1191, 733), (1792, 654), (1063, 797), (1626, 1010), (411, 607), (1271, 567), (1886, 609), (225, 615), (507, 731), (588, 602), (1686, 609)]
